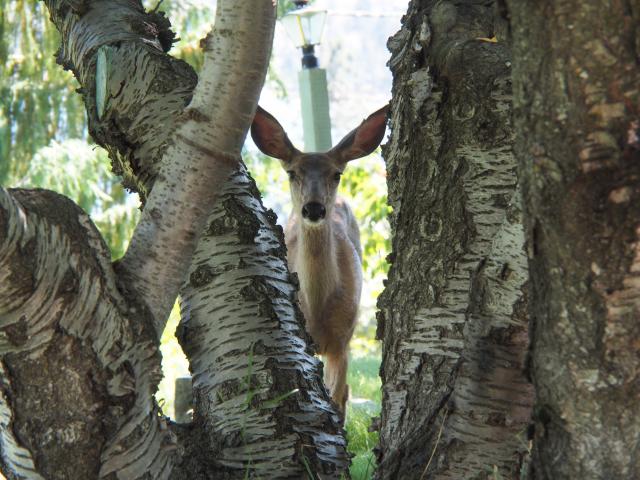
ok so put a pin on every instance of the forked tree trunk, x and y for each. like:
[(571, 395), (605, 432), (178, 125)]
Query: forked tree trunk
[(258, 393), (453, 321), (577, 111), (79, 350)]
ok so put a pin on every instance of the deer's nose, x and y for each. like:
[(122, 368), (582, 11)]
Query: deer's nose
[(313, 211)]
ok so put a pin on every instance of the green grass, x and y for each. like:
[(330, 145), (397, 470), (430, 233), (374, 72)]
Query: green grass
[(363, 378), (364, 383)]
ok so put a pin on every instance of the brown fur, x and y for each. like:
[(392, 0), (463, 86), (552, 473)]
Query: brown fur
[(327, 260), (326, 254)]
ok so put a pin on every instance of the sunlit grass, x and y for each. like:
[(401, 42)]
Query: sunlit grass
[(363, 378), (361, 443), (364, 404)]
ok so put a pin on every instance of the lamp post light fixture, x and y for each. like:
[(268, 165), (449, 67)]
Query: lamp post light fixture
[(305, 25)]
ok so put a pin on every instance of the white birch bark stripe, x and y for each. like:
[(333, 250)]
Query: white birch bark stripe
[(491, 388), (241, 333), (205, 150), (489, 172), (16, 457), (93, 316), (144, 89)]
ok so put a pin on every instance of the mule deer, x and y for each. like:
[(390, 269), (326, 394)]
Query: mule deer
[(323, 239)]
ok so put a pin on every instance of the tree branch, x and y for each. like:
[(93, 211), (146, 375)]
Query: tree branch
[(576, 111), (449, 328), (296, 421), (145, 89), (205, 151), (64, 338), (252, 369)]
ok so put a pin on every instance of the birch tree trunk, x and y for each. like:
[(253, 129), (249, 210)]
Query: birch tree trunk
[(577, 104), (78, 366), (86, 334), (258, 393), (453, 320)]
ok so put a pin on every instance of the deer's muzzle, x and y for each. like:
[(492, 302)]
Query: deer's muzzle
[(313, 211)]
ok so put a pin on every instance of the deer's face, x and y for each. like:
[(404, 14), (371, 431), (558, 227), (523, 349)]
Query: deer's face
[(314, 177), (313, 180)]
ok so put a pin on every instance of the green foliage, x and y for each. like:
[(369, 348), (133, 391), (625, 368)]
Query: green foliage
[(43, 144), (192, 20), (37, 98), (174, 363), (364, 383), (81, 172), (363, 378), (364, 184), (363, 463), (43, 125)]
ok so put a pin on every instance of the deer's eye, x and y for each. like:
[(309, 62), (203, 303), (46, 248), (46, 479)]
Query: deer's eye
[(336, 176), (292, 175)]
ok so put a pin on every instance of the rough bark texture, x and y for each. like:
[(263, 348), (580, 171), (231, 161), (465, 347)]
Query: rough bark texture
[(204, 151), (78, 368), (146, 89), (452, 319), (577, 111), (252, 370), (65, 329)]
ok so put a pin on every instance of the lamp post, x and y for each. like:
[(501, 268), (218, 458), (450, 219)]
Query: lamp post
[(305, 26)]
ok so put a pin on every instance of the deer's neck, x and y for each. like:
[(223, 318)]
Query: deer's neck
[(317, 266)]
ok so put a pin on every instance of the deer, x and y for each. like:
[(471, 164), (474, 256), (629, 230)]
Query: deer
[(323, 238)]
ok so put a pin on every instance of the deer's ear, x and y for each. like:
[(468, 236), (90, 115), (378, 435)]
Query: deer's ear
[(364, 139), (270, 137)]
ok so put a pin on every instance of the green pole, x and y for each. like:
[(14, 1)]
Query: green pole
[(316, 121)]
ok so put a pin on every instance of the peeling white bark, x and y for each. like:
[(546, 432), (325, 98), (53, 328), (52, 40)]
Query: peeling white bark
[(438, 330), (453, 322), (99, 341), (491, 389), (72, 301), (254, 379), (14, 456), (205, 150)]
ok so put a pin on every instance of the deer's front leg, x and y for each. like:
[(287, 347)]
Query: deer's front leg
[(335, 377)]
